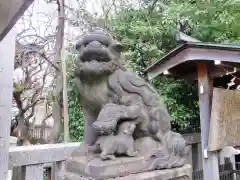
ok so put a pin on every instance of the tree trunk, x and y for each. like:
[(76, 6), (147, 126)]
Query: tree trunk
[(57, 104)]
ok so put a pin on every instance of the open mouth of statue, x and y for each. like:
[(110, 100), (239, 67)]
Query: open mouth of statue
[(95, 55)]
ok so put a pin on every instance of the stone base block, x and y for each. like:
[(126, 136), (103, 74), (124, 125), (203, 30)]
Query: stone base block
[(97, 168), (84, 166), (182, 173)]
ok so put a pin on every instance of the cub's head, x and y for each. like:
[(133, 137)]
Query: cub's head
[(126, 127), (99, 54)]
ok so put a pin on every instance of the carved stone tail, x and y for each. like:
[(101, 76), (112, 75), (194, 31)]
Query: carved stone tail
[(175, 154)]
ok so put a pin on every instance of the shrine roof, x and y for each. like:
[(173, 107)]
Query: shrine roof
[(10, 12), (181, 61)]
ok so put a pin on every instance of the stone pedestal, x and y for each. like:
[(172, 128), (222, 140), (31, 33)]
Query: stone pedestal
[(84, 166), (182, 173)]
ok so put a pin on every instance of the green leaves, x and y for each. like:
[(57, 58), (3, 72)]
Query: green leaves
[(76, 122), (180, 99), (150, 35), (18, 87)]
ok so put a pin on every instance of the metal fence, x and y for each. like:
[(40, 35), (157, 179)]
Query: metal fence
[(226, 172)]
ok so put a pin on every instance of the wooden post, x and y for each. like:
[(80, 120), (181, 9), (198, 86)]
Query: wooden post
[(210, 159), (65, 98), (65, 84), (7, 55)]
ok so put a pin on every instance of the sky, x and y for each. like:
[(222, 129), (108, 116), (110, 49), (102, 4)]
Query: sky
[(40, 10), (41, 18)]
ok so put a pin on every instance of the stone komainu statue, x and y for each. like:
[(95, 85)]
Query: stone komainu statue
[(111, 95)]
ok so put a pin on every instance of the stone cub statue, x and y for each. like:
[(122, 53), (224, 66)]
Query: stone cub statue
[(119, 144)]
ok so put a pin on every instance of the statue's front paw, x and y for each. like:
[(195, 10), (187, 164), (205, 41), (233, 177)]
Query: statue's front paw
[(131, 153), (107, 157)]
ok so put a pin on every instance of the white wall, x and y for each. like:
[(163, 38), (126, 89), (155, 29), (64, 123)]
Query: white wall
[(7, 54)]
